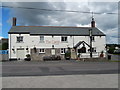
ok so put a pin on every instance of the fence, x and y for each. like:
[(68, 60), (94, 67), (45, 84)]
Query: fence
[(94, 55), (3, 51)]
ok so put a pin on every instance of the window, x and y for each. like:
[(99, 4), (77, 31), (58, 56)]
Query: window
[(63, 50), (64, 38), (42, 51), (19, 38), (93, 38), (94, 49), (41, 38)]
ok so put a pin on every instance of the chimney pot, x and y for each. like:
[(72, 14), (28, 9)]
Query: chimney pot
[(14, 21), (92, 23)]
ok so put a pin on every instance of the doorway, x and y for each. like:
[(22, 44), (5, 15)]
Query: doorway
[(20, 53)]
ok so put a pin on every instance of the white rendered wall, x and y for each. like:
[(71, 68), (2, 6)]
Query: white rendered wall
[(31, 41)]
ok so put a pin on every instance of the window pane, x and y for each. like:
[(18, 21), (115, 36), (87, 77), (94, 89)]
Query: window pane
[(64, 38), (41, 38), (20, 39)]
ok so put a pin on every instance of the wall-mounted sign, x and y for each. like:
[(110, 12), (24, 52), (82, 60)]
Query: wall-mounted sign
[(52, 42)]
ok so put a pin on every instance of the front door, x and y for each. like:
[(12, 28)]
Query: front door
[(53, 51), (20, 53)]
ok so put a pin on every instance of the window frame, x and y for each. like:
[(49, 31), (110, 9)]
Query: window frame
[(63, 39), (41, 50), (42, 38), (62, 50), (94, 49), (19, 39)]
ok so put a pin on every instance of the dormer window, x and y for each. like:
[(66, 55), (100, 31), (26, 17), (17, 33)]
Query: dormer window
[(19, 39)]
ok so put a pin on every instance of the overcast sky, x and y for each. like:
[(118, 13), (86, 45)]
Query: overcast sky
[(108, 23)]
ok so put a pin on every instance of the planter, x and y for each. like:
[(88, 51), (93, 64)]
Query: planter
[(27, 59)]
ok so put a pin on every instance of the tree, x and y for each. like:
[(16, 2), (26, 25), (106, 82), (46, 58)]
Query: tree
[(111, 49), (4, 46)]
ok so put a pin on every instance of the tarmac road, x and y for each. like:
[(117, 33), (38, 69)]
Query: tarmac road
[(24, 68)]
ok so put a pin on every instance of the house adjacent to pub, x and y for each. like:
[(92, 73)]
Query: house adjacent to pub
[(41, 41)]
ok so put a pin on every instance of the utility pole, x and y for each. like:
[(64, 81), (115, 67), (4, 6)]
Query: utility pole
[(90, 34)]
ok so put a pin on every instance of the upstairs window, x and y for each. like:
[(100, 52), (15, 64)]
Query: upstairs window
[(64, 39), (41, 38), (19, 38)]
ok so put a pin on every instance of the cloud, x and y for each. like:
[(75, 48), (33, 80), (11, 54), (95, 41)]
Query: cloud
[(1, 37), (38, 17), (112, 36)]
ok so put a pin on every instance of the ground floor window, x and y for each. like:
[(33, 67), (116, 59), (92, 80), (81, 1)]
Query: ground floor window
[(42, 50), (93, 49), (63, 50)]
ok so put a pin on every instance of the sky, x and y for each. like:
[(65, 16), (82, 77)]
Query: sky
[(107, 23)]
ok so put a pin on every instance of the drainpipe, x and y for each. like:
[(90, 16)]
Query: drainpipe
[(90, 34), (10, 46)]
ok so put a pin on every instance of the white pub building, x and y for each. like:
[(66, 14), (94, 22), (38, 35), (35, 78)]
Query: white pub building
[(41, 41)]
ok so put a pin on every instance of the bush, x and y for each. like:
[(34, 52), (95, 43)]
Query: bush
[(4, 46), (28, 57), (68, 55)]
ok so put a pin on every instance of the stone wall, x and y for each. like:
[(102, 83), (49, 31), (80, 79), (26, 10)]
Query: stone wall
[(39, 56), (4, 57)]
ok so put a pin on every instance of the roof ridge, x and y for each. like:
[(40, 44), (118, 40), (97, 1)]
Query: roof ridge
[(55, 26)]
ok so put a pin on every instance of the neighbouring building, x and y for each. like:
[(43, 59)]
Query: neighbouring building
[(4, 49), (3, 43), (40, 41)]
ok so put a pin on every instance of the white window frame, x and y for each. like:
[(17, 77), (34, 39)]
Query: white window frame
[(20, 40), (41, 50), (63, 40), (94, 49), (62, 50), (42, 38)]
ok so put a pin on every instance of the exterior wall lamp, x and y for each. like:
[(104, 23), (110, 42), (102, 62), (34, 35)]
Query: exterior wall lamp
[(53, 47), (27, 49), (13, 49), (35, 50)]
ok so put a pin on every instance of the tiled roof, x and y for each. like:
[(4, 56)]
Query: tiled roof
[(55, 30)]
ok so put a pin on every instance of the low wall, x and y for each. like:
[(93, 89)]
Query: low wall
[(4, 57)]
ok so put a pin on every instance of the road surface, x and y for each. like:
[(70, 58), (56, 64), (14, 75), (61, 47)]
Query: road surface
[(20, 68)]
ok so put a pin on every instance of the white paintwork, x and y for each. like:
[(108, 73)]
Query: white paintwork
[(21, 54), (31, 41)]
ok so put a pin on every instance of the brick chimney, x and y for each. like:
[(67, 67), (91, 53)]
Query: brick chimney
[(93, 23), (14, 21)]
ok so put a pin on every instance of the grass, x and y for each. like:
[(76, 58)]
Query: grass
[(116, 54), (114, 60)]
